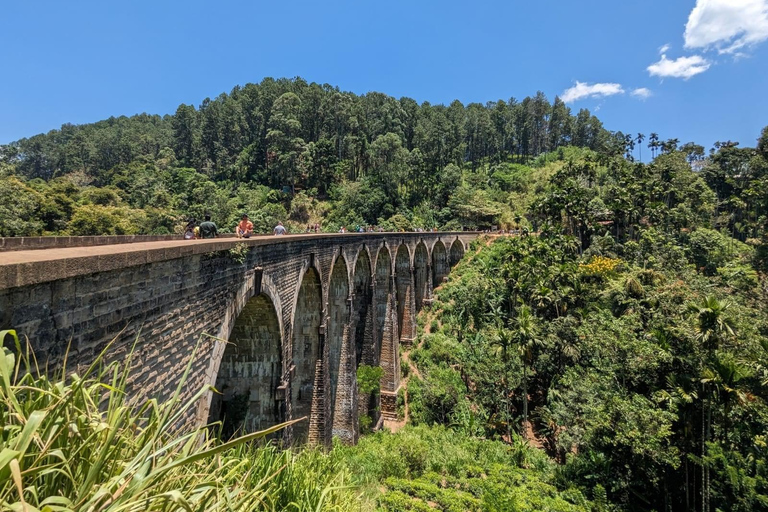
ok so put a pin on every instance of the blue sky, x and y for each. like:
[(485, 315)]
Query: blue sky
[(82, 61)]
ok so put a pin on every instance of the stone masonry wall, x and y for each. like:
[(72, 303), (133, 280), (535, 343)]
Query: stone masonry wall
[(178, 304)]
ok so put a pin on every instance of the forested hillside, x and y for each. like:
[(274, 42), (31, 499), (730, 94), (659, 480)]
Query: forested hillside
[(614, 356), (286, 149), (628, 340)]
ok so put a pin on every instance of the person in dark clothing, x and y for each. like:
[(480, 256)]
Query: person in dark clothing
[(208, 229)]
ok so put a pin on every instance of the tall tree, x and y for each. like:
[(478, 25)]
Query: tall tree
[(285, 144), (185, 135), (639, 139)]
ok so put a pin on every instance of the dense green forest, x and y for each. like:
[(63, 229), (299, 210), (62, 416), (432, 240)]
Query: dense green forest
[(628, 340), (614, 357), (287, 150)]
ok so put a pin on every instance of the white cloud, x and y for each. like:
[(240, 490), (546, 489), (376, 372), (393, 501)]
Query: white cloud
[(664, 49), (727, 25), (642, 93), (683, 67), (582, 90)]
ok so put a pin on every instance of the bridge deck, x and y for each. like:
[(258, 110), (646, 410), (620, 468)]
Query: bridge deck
[(25, 267)]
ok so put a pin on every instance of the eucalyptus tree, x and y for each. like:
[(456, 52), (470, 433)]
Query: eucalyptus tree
[(186, 135), (284, 141)]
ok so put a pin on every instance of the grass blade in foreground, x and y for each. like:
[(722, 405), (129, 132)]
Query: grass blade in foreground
[(59, 451)]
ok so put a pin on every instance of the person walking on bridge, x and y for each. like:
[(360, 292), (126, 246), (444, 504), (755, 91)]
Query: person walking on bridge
[(208, 229), (279, 229)]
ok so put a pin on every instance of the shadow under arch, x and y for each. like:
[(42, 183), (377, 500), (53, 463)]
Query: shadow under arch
[(338, 317), (362, 310), (255, 283), (440, 267), (307, 317), (383, 278), (250, 372), (421, 274), (456, 252), (402, 284)]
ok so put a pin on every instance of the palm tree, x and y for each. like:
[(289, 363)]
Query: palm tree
[(503, 340), (526, 334), (653, 144), (711, 328), (711, 322), (724, 376), (629, 146), (640, 138), (669, 145)]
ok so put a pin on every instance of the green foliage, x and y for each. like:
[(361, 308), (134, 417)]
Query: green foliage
[(238, 253), (379, 160), (424, 468), (19, 209), (619, 363), (91, 219), (711, 250), (369, 378), (77, 443)]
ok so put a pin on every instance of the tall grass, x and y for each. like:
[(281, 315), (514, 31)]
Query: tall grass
[(77, 443)]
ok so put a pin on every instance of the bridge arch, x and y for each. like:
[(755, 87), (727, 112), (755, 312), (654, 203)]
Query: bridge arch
[(338, 317), (250, 371), (256, 283), (305, 347), (440, 267), (362, 309), (383, 277), (404, 290), (421, 274), (456, 253)]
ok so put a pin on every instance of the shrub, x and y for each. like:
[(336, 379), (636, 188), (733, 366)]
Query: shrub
[(711, 249), (105, 220), (599, 266), (238, 253), (369, 378)]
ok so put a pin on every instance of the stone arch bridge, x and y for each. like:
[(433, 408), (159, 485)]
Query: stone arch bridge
[(278, 324)]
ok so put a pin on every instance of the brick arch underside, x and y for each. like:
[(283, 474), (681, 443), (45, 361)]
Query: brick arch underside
[(440, 267), (338, 317), (403, 285), (306, 350), (364, 337), (457, 252), (381, 295), (366, 351), (250, 371), (421, 274)]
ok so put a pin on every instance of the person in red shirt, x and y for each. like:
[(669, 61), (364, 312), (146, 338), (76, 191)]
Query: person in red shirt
[(244, 228)]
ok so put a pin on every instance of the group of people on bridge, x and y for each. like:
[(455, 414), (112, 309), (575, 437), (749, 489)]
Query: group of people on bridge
[(244, 229), (208, 228)]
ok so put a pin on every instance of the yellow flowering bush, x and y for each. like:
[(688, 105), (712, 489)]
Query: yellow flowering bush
[(599, 266)]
